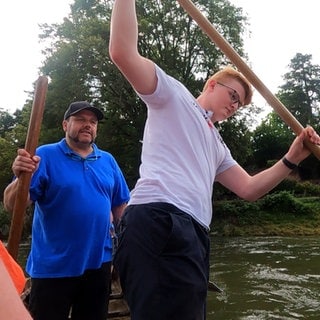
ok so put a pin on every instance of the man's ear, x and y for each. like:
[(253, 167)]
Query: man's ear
[(212, 83), (64, 125)]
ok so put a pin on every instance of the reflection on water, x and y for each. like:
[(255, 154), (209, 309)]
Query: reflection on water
[(265, 278)]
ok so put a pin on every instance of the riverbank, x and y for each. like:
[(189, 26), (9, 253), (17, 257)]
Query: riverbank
[(282, 216)]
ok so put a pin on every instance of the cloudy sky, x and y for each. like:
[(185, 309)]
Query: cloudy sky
[(20, 53), (279, 30)]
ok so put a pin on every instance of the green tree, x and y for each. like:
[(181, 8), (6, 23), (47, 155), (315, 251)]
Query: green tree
[(78, 65), (7, 122), (6, 156), (301, 95), (237, 137), (271, 140), (301, 91), (8, 143)]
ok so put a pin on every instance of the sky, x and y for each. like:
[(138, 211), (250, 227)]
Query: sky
[(20, 53), (279, 29)]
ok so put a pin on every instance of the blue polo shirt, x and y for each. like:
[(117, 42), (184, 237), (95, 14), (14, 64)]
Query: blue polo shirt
[(73, 199)]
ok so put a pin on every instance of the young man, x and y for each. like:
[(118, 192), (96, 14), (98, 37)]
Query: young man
[(163, 254), (74, 186)]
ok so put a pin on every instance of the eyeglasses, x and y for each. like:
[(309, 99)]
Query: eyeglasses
[(234, 95)]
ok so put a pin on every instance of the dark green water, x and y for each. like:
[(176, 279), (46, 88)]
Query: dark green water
[(262, 278), (265, 278)]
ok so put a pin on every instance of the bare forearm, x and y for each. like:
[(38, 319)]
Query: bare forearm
[(10, 194), (249, 187), (264, 181), (124, 30), (117, 212), (123, 48), (253, 187)]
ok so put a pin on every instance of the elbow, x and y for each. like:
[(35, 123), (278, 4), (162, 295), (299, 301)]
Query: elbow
[(249, 195), (112, 52), (123, 56), (116, 53), (7, 206), (9, 197), (8, 201), (251, 198)]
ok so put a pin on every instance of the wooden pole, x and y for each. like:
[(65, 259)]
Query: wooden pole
[(24, 180), (226, 48)]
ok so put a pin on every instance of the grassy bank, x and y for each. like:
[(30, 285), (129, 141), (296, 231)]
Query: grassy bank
[(279, 214)]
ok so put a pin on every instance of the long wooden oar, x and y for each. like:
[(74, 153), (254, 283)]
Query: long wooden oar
[(25, 177), (226, 48)]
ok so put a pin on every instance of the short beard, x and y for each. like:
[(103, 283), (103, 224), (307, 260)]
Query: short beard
[(76, 140)]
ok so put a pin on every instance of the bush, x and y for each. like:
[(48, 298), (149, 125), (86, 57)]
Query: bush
[(307, 188), (235, 207), (284, 202), (273, 206), (286, 185)]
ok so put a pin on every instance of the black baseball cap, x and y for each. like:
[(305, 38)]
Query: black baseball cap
[(78, 106)]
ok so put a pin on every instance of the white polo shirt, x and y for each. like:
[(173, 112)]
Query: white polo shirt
[(181, 153)]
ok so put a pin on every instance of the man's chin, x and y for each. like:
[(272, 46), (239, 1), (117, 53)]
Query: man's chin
[(84, 142), (85, 138)]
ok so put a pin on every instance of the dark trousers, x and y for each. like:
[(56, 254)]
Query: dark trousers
[(163, 263), (84, 298)]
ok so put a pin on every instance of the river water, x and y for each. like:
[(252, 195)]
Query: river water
[(265, 278), (262, 278)]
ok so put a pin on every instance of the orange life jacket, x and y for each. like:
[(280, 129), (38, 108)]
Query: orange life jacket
[(14, 269)]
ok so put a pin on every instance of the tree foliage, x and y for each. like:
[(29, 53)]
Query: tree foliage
[(238, 139), (79, 67), (77, 63), (301, 95), (271, 140), (301, 91), (12, 132)]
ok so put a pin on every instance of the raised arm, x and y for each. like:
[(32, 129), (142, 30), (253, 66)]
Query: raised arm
[(251, 188), (123, 48)]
